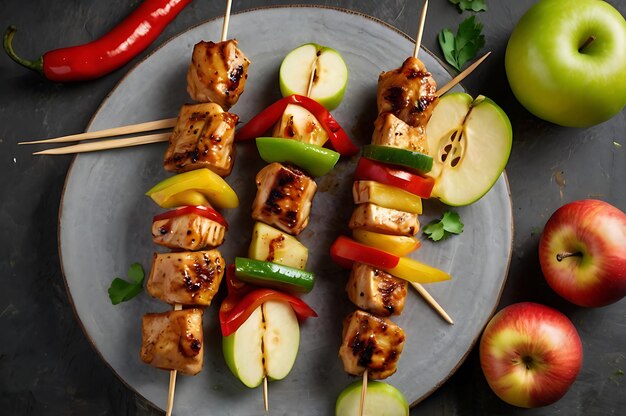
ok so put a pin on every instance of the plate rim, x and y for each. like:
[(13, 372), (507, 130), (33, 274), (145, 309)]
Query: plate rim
[(453, 370)]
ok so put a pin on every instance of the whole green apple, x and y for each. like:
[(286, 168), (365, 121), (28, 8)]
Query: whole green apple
[(566, 61)]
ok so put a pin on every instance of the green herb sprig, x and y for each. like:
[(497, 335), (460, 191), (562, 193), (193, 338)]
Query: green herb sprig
[(450, 223), (470, 5), (465, 45), (122, 290)]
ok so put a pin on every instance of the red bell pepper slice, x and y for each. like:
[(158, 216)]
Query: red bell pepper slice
[(371, 170), (345, 251), (201, 210), (263, 121), (243, 299)]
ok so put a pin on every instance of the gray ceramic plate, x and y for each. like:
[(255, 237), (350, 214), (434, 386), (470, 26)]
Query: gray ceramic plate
[(105, 225)]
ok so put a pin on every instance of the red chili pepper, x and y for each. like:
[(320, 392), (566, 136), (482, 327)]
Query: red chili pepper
[(263, 121), (201, 210), (345, 251), (108, 53), (370, 170), (243, 299)]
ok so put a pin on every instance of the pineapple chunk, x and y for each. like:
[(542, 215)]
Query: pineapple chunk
[(270, 244)]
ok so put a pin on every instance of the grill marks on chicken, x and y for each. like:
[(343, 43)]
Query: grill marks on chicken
[(372, 217), (371, 343), (283, 199), (188, 232), (376, 291), (202, 138), (389, 130), (188, 278), (408, 92), (218, 73), (173, 340)]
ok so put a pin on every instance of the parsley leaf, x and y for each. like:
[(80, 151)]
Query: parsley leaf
[(450, 223), (471, 5), (122, 290), (465, 45)]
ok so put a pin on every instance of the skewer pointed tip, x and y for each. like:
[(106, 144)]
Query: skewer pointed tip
[(266, 402)]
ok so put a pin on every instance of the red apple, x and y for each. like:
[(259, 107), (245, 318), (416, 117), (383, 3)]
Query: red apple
[(582, 252), (530, 354)]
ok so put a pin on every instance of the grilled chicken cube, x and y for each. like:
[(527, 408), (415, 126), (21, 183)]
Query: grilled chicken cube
[(375, 218), (218, 73), (300, 124), (283, 198), (188, 278), (389, 130), (371, 343), (173, 340), (188, 232), (409, 92), (376, 291), (202, 138)]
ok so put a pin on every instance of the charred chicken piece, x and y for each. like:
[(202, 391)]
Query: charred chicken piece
[(218, 73), (202, 138), (173, 340), (188, 278), (375, 218), (409, 92), (371, 343), (283, 198), (188, 232), (376, 291), (389, 130)]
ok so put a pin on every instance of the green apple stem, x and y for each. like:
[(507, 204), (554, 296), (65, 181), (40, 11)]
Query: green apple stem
[(562, 256), (587, 43)]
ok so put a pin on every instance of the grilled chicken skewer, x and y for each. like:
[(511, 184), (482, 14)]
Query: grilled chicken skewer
[(372, 345), (202, 138)]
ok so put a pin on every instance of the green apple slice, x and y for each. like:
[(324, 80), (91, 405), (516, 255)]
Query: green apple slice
[(265, 345), (270, 244), (329, 79), (300, 124), (243, 351), (381, 399), (280, 340), (470, 142)]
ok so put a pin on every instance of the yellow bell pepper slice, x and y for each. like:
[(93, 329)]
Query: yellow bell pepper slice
[(386, 196), (396, 244), (186, 198), (209, 184), (414, 271)]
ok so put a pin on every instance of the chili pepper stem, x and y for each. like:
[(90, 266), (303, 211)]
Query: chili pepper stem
[(7, 43)]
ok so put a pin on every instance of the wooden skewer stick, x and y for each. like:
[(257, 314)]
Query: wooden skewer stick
[(116, 131), (172, 388), (432, 302), (420, 30), (266, 400), (462, 75), (363, 394), (106, 144), (226, 20), (312, 77)]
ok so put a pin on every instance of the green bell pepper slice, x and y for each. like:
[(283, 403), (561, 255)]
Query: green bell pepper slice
[(420, 162), (274, 275), (316, 160)]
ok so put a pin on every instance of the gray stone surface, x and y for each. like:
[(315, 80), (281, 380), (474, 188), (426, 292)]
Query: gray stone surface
[(47, 365)]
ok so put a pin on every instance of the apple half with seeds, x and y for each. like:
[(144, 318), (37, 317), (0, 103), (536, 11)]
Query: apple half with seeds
[(470, 141), (265, 345), (330, 75)]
